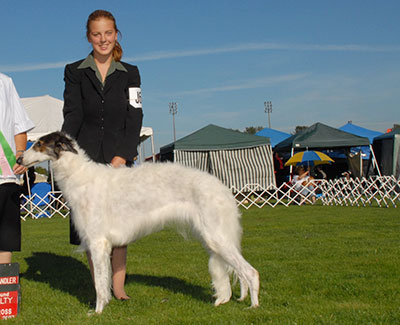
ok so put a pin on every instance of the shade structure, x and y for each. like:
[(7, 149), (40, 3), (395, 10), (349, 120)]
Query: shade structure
[(321, 136), (360, 131), (387, 151), (236, 158), (213, 137), (309, 158), (274, 136)]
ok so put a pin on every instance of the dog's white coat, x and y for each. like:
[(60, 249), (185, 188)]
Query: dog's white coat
[(115, 206)]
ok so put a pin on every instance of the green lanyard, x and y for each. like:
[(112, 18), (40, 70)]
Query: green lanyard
[(8, 153)]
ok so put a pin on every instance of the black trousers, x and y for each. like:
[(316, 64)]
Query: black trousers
[(10, 218)]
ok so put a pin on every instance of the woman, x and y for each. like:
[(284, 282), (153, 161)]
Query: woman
[(102, 111), (303, 182), (14, 125)]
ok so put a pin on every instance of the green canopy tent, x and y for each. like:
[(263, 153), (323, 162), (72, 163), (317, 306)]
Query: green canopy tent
[(319, 137), (234, 157), (387, 149)]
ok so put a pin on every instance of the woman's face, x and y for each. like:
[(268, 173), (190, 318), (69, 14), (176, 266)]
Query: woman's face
[(102, 36), (301, 171)]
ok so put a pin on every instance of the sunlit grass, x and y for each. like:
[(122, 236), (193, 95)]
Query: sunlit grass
[(318, 265)]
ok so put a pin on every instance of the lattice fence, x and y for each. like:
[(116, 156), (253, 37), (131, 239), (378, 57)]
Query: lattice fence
[(378, 191), (383, 191), (47, 206)]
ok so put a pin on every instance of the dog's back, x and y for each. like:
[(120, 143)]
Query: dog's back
[(152, 196)]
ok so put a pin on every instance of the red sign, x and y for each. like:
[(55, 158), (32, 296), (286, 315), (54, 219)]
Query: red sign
[(8, 304), (9, 280)]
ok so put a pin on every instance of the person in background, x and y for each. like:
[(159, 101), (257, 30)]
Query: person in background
[(303, 182), (103, 112), (279, 170), (319, 173), (14, 125)]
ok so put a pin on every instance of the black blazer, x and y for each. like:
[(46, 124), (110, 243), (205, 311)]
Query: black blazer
[(102, 118)]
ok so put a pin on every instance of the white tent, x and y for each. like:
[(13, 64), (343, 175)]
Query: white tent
[(46, 113)]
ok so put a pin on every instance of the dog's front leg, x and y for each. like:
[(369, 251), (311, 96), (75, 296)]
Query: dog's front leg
[(100, 251)]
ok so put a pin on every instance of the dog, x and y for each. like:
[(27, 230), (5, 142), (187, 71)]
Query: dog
[(116, 206)]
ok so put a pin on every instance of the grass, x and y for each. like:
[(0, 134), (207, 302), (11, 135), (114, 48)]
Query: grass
[(318, 265)]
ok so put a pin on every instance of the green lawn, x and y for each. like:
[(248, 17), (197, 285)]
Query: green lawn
[(317, 264)]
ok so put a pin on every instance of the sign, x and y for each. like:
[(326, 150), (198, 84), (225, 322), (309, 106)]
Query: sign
[(135, 97), (10, 293)]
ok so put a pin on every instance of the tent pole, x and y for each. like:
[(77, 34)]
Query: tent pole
[(291, 167), (51, 176), (29, 190), (374, 162), (142, 153), (152, 148)]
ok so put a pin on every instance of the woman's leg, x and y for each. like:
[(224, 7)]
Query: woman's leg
[(118, 263), (5, 257)]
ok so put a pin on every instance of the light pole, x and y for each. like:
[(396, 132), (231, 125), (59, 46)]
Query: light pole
[(173, 109), (268, 109)]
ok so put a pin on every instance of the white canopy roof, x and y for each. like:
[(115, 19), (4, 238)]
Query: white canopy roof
[(45, 112)]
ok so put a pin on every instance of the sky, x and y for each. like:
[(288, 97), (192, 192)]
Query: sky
[(219, 60)]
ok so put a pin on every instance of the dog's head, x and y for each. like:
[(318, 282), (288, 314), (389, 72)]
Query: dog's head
[(48, 147)]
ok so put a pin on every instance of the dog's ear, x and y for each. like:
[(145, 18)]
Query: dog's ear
[(64, 144)]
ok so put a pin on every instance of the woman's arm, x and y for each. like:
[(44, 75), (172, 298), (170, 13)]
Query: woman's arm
[(20, 145), (73, 111), (127, 148)]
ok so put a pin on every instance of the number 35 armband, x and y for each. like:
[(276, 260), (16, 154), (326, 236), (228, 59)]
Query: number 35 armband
[(135, 97)]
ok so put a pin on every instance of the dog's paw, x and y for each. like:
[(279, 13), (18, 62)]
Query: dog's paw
[(221, 301), (90, 312)]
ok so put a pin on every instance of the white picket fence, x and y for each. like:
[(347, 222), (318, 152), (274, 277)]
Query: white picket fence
[(380, 191)]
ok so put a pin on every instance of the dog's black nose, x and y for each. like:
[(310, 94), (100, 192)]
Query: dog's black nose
[(19, 160)]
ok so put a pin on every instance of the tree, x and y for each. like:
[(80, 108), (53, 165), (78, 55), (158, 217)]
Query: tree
[(252, 129), (299, 128)]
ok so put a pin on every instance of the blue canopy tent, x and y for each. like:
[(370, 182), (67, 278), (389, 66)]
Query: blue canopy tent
[(361, 132), (275, 136)]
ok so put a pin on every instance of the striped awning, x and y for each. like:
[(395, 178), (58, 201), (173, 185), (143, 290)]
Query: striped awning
[(235, 168)]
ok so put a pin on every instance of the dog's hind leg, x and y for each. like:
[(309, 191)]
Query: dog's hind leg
[(100, 252), (220, 279), (244, 289), (247, 274)]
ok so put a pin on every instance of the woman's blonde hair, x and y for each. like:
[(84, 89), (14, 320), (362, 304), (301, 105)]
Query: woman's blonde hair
[(97, 14)]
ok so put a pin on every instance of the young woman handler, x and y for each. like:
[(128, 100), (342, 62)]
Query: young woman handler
[(103, 112)]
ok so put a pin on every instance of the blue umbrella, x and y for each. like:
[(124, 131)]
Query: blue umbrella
[(309, 158)]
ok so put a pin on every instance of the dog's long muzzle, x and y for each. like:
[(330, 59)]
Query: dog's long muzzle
[(20, 161)]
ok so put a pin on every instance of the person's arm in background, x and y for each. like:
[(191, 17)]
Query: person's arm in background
[(20, 145)]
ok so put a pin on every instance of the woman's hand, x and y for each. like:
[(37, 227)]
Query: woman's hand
[(118, 161), (19, 169)]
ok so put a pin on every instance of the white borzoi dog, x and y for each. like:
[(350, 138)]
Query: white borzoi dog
[(115, 206)]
